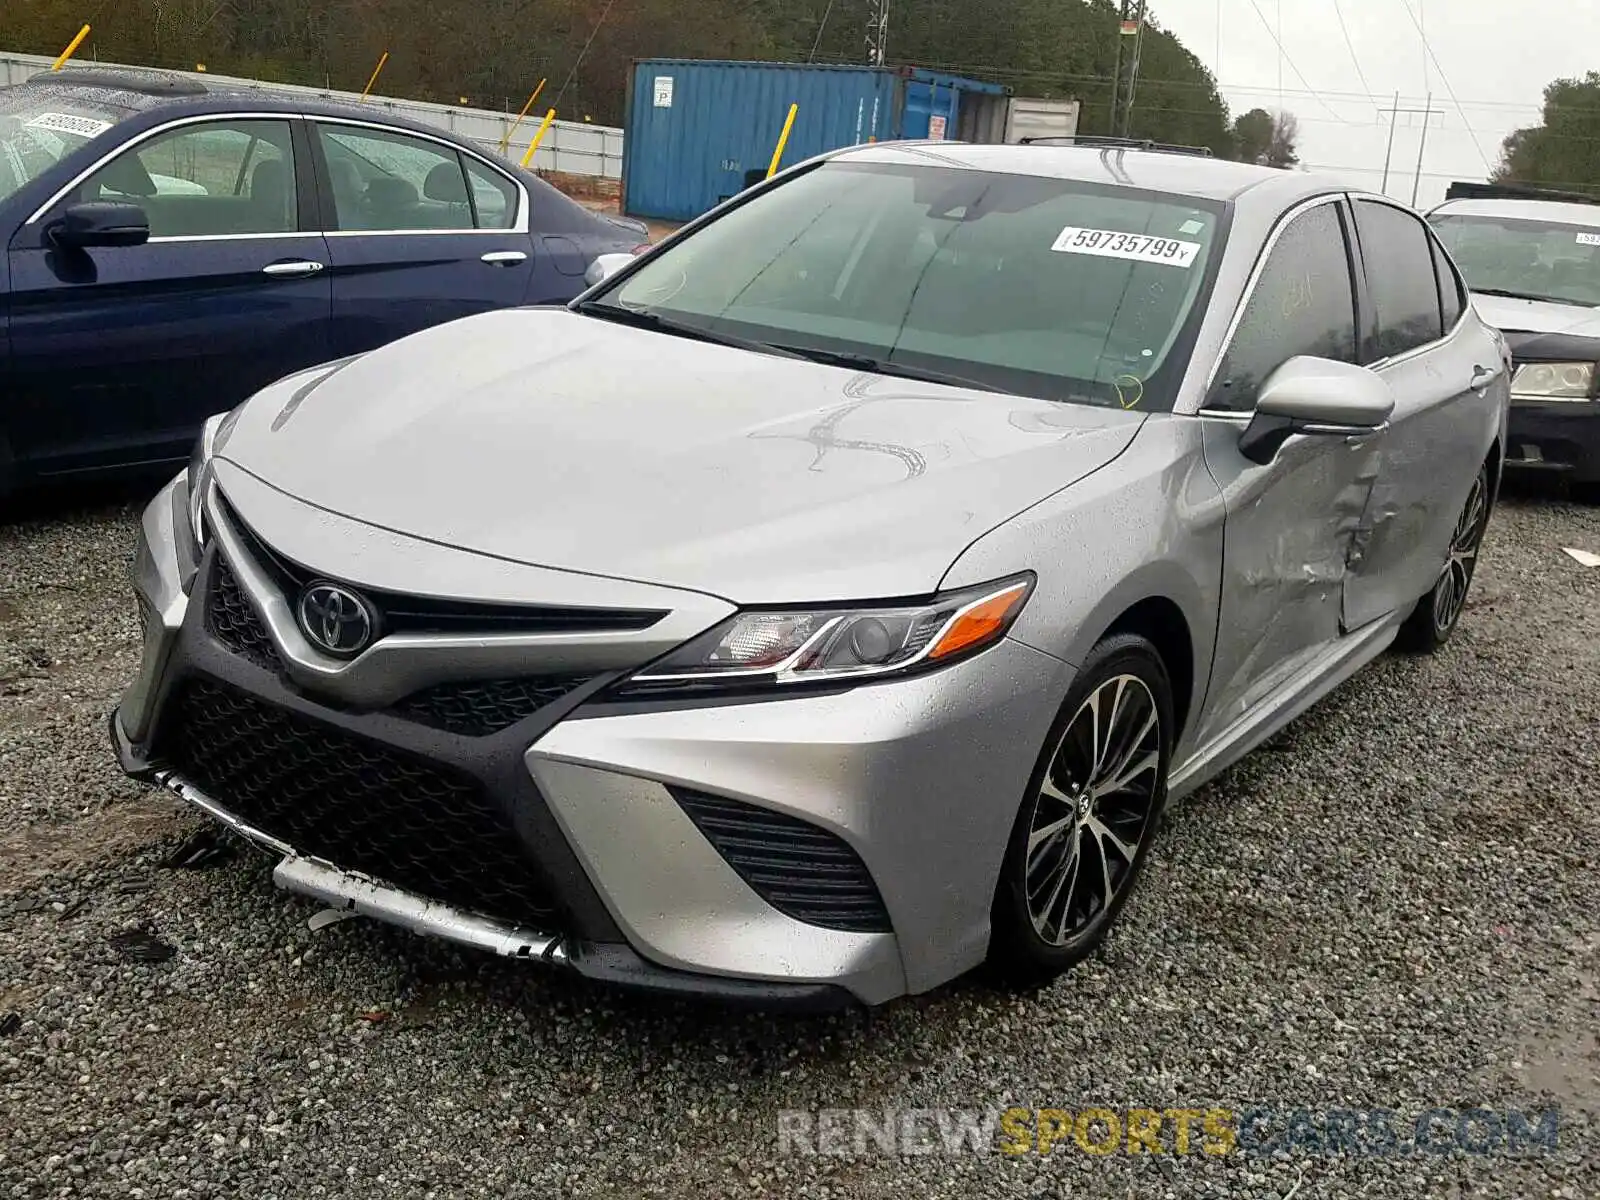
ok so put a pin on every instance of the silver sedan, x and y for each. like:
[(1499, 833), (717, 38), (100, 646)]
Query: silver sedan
[(834, 598)]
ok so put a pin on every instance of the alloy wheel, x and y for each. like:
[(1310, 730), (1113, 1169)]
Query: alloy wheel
[(1450, 596), (1093, 809)]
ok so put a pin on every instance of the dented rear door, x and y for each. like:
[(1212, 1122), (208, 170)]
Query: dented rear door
[(1447, 376)]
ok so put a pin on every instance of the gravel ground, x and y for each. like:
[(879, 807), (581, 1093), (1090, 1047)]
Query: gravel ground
[(1393, 906)]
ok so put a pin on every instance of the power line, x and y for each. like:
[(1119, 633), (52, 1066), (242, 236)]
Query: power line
[(1445, 79), (1284, 58), (1351, 46)]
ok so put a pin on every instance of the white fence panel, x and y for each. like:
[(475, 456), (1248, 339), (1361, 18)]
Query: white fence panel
[(576, 147)]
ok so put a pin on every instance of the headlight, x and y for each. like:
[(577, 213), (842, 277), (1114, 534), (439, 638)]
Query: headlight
[(764, 650), (1553, 381), (212, 436)]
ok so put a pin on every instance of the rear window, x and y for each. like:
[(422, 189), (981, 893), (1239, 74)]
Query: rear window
[(41, 124), (1053, 288)]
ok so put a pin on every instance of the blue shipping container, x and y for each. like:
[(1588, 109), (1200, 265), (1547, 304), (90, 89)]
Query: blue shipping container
[(698, 131)]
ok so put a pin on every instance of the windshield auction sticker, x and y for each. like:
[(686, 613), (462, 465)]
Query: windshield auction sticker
[(1589, 239), (1140, 247), (86, 127)]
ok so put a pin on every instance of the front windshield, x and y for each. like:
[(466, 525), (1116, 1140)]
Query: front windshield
[(40, 124), (1541, 260), (1044, 287)]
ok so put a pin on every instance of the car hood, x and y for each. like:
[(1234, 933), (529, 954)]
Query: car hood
[(558, 440), (1537, 316)]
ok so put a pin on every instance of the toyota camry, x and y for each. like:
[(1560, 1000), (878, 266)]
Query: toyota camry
[(833, 599)]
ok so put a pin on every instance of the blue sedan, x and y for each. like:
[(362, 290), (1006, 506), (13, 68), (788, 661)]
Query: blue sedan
[(171, 248)]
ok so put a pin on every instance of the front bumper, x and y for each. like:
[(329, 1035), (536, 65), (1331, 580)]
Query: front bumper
[(615, 809), (1557, 438)]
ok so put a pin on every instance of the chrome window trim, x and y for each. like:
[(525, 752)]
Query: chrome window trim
[(1248, 293), (519, 226), (229, 237), (157, 131), (524, 204)]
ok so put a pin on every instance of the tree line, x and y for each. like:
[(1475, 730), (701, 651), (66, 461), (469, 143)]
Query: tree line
[(1562, 152), (491, 53)]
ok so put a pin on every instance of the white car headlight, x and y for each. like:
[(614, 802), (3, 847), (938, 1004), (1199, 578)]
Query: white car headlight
[(763, 650), (1553, 381), (212, 436)]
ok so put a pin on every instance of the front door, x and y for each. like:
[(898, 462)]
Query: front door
[(1291, 522), (118, 354), (421, 234)]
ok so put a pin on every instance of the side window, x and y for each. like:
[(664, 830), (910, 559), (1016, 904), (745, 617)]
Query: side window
[(390, 181), (214, 179), (494, 197), (1451, 297), (1303, 303), (1400, 274)]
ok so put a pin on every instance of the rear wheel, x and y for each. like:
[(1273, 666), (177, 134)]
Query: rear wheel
[(1092, 808), (1439, 612)]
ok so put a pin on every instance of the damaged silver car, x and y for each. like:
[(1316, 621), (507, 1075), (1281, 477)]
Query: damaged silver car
[(834, 598)]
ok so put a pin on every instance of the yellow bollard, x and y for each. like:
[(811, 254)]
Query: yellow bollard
[(505, 142), (72, 48), (374, 78), (538, 137), (783, 140)]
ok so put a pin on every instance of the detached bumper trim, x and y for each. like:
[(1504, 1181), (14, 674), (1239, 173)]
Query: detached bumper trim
[(369, 897), (607, 963)]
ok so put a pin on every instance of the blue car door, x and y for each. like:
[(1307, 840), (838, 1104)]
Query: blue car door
[(421, 233), (119, 353)]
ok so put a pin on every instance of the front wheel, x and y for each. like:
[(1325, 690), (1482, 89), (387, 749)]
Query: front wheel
[(1092, 808), (1438, 613)]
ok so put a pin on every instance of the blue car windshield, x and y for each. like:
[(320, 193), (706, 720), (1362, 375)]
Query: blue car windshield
[(1056, 288), (42, 124)]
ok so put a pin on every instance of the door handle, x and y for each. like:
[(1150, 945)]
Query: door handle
[(504, 258), (1481, 375), (291, 270)]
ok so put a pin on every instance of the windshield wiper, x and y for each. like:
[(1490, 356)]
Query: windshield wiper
[(878, 366), (644, 318), (1529, 296)]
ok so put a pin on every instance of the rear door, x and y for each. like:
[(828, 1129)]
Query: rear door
[(1446, 373), (118, 354), (420, 233)]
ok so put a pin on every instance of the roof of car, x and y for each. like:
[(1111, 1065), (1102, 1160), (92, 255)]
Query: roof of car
[(1157, 170), (139, 90), (1553, 211)]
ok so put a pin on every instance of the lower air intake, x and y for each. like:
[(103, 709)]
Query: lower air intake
[(355, 803), (802, 871)]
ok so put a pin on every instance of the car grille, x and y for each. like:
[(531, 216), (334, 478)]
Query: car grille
[(357, 804), (802, 871), (233, 619), (472, 708), (476, 709)]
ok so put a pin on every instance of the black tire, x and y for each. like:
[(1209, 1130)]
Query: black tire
[(1022, 952), (1586, 493), (1429, 627)]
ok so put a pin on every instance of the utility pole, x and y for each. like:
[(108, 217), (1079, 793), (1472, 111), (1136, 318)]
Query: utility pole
[(1422, 144), (1126, 79), (877, 32), (1394, 112)]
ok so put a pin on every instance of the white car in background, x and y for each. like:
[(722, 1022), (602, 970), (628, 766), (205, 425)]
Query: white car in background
[(1533, 266)]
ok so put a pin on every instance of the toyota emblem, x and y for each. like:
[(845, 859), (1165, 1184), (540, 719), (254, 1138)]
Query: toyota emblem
[(336, 620)]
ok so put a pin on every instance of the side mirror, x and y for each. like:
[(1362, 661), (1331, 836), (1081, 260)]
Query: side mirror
[(1315, 396), (101, 223), (605, 266)]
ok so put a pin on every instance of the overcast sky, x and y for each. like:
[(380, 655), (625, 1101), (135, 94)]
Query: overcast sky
[(1496, 54)]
